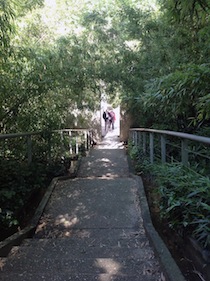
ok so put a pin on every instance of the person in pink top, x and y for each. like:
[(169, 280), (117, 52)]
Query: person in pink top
[(113, 118)]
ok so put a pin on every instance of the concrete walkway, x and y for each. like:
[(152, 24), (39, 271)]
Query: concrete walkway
[(91, 229)]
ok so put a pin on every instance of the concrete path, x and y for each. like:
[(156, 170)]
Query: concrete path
[(91, 228)]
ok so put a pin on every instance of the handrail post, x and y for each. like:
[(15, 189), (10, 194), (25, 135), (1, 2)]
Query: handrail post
[(85, 137), (70, 144), (139, 138), (87, 140), (77, 145), (144, 142), (132, 137), (184, 152), (91, 138), (163, 148), (151, 146), (62, 142), (29, 148), (135, 138)]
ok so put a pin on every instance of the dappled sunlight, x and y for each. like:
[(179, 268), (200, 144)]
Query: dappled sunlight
[(106, 160), (107, 176), (66, 220), (109, 165), (109, 266), (73, 194), (111, 141), (2, 263), (62, 225)]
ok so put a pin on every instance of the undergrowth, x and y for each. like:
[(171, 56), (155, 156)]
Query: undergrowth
[(184, 196), (18, 182)]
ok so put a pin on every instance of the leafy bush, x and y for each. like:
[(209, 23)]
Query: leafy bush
[(184, 197), (181, 97), (185, 200), (17, 182)]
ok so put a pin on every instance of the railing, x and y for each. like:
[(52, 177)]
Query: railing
[(170, 146), (24, 145)]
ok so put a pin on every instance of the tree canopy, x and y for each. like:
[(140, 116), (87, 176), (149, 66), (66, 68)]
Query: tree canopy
[(60, 56)]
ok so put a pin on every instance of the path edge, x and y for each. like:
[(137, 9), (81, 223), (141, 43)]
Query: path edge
[(169, 265), (28, 231)]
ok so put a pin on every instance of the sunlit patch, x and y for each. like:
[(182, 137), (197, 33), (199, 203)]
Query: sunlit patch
[(73, 194), (43, 223), (106, 160), (40, 227), (109, 266), (68, 234), (2, 263), (66, 220)]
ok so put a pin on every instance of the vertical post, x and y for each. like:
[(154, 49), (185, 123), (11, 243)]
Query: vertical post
[(163, 148), (29, 148), (139, 138), (91, 138), (77, 145), (62, 142), (70, 144), (184, 152), (135, 138), (132, 136), (151, 146), (86, 137), (144, 143)]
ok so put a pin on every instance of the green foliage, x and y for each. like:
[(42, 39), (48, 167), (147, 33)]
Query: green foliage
[(181, 96), (184, 200), (18, 181), (185, 10), (62, 57), (6, 27), (183, 196), (52, 154), (56, 60)]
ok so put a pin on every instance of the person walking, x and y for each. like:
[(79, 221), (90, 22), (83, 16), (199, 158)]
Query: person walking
[(113, 118), (106, 120)]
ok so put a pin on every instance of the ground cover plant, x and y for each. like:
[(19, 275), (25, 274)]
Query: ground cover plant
[(21, 189), (183, 197), (23, 184), (179, 203)]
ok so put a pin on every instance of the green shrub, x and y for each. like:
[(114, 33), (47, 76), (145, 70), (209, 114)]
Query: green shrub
[(184, 196), (185, 200)]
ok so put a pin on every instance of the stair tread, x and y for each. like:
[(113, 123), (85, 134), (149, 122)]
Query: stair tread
[(89, 266), (54, 276), (117, 243), (104, 235), (71, 250)]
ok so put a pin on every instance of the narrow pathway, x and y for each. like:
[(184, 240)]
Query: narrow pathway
[(91, 228)]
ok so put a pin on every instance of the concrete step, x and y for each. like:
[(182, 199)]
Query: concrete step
[(27, 268), (121, 255), (85, 266), (88, 203), (106, 163), (63, 276), (77, 248), (95, 236)]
